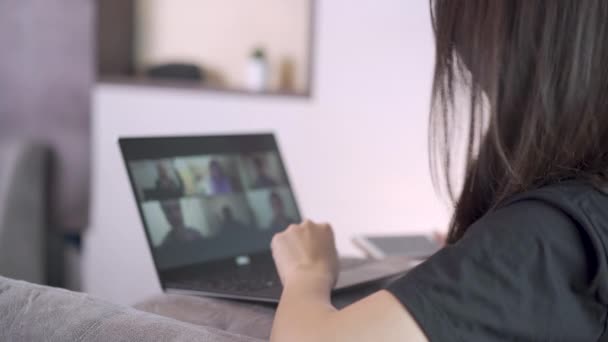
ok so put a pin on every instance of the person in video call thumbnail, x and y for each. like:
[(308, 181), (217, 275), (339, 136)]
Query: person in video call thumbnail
[(178, 231), (228, 222), (262, 179), (167, 187), (220, 182), (280, 220)]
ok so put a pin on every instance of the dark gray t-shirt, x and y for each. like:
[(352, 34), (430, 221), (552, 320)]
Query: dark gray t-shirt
[(534, 269)]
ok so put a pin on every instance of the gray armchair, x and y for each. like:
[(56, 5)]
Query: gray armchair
[(23, 215)]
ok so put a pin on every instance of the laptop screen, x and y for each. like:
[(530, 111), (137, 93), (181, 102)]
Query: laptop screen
[(209, 198)]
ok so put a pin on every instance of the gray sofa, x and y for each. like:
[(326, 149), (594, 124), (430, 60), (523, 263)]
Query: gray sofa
[(37, 313)]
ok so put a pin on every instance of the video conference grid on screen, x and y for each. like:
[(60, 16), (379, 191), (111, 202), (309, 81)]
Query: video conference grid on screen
[(205, 207)]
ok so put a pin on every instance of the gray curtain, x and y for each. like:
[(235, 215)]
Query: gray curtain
[(46, 73)]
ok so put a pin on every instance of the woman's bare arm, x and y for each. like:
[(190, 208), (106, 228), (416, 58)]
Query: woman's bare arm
[(305, 258), (379, 317)]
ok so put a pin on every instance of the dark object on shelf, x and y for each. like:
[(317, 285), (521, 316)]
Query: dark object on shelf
[(176, 71), (258, 53)]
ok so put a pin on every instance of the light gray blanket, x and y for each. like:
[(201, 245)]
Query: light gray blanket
[(37, 313)]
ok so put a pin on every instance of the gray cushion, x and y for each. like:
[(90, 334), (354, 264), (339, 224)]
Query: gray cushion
[(37, 313), (23, 224)]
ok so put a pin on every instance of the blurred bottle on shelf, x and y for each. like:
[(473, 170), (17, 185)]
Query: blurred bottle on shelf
[(257, 71)]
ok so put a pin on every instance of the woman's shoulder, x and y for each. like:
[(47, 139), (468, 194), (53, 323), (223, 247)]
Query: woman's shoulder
[(570, 216)]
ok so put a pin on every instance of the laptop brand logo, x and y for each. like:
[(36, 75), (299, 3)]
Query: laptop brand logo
[(242, 260)]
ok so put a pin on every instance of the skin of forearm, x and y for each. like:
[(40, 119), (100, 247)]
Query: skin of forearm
[(304, 313)]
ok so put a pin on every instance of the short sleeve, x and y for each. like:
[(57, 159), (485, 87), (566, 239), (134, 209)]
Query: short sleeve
[(521, 273)]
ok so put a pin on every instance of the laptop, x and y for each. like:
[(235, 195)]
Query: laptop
[(210, 206)]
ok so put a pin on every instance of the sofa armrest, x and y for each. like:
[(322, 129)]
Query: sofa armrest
[(24, 168), (38, 313)]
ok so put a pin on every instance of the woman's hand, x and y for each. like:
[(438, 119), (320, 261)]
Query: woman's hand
[(306, 252)]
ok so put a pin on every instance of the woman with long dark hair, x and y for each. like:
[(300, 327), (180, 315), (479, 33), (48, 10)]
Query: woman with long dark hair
[(520, 102)]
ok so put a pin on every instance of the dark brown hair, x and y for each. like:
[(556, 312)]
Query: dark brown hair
[(534, 76)]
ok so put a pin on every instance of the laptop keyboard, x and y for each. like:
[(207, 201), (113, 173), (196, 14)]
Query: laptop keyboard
[(251, 279), (245, 280)]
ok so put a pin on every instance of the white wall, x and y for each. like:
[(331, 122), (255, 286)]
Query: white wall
[(220, 35), (356, 151)]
